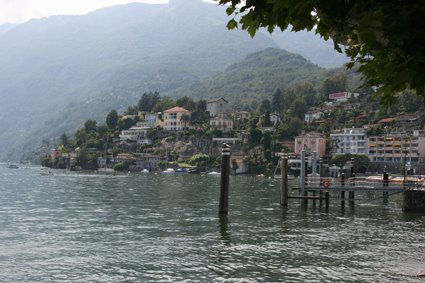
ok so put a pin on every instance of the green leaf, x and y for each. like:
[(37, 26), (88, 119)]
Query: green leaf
[(232, 24), (230, 10)]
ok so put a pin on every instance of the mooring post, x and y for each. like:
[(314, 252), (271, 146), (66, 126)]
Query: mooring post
[(302, 175), (327, 199), (321, 181), (385, 178), (342, 190), (352, 185), (314, 174), (224, 181), (284, 182)]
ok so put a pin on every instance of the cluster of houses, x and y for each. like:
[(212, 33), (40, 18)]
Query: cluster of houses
[(178, 119), (390, 147)]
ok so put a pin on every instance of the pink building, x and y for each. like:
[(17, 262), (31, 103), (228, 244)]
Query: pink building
[(310, 142)]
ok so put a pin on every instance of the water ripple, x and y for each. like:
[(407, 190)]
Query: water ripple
[(154, 228)]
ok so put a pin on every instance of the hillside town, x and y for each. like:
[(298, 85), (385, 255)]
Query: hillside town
[(175, 139)]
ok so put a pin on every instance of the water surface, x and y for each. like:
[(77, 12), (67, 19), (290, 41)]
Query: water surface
[(164, 228)]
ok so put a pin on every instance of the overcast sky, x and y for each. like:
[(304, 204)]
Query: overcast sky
[(17, 11)]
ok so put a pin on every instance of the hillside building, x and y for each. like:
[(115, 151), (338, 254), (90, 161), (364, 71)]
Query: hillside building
[(349, 141), (311, 142), (222, 123), (397, 148), (136, 134), (176, 119), (216, 106)]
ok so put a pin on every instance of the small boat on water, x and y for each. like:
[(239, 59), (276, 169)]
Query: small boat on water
[(46, 172), (181, 170), (214, 173), (12, 166), (145, 171), (169, 171)]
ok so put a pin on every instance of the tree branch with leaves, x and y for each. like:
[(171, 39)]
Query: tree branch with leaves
[(385, 36)]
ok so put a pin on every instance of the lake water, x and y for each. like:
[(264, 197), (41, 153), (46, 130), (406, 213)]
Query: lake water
[(164, 228)]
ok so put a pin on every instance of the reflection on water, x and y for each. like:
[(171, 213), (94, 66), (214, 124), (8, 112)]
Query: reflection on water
[(162, 228)]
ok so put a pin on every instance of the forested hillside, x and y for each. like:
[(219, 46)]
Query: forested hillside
[(257, 77), (58, 71)]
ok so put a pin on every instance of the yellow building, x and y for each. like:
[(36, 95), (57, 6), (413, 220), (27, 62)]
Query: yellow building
[(176, 119), (397, 147)]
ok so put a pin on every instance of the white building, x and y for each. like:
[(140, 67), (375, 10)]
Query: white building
[(216, 106), (274, 118), (137, 134), (310, 116), (150, 120), (342, 96), (241, 115), (350, 140), (222, 123)]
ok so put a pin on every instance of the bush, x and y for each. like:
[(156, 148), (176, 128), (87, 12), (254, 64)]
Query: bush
[(119, 167)]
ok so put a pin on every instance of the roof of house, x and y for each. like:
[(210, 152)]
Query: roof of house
[(311, 135), (386, 120), (337, 95), (216, 99), (177, 109)]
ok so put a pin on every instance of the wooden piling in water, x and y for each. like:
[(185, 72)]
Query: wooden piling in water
[(224, 179), (321, 182), (385, 182), (327, 199), (351, 192), (342, 190), (284, 182), (305, 199)]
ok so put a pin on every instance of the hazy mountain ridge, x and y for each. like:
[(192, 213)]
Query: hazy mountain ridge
[(49, 63), (257, 77)]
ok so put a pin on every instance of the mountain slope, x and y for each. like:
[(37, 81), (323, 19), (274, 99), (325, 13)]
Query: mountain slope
[(49, 66), (257, 77)]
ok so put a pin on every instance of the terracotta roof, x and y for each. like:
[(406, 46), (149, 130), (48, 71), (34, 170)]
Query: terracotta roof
[(338, 95), (386, 120), (176, 109)]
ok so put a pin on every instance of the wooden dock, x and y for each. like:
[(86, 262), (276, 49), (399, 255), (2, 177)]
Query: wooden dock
[(318, 188)]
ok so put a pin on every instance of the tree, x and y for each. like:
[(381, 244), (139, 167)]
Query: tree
[(383, 36), (185, 119), (199, 159), (277, 100), (410, 102), (255, 136), (265, 106), (132, 110), (200, 114), (164, 104), (332, 84), (90, 126), (148, 101), (186, 102), (299, 107), (112, 119), (64, 140), (267, 144)]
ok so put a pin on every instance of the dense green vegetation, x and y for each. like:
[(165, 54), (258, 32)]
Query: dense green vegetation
[(381, 36), (246, 83)]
